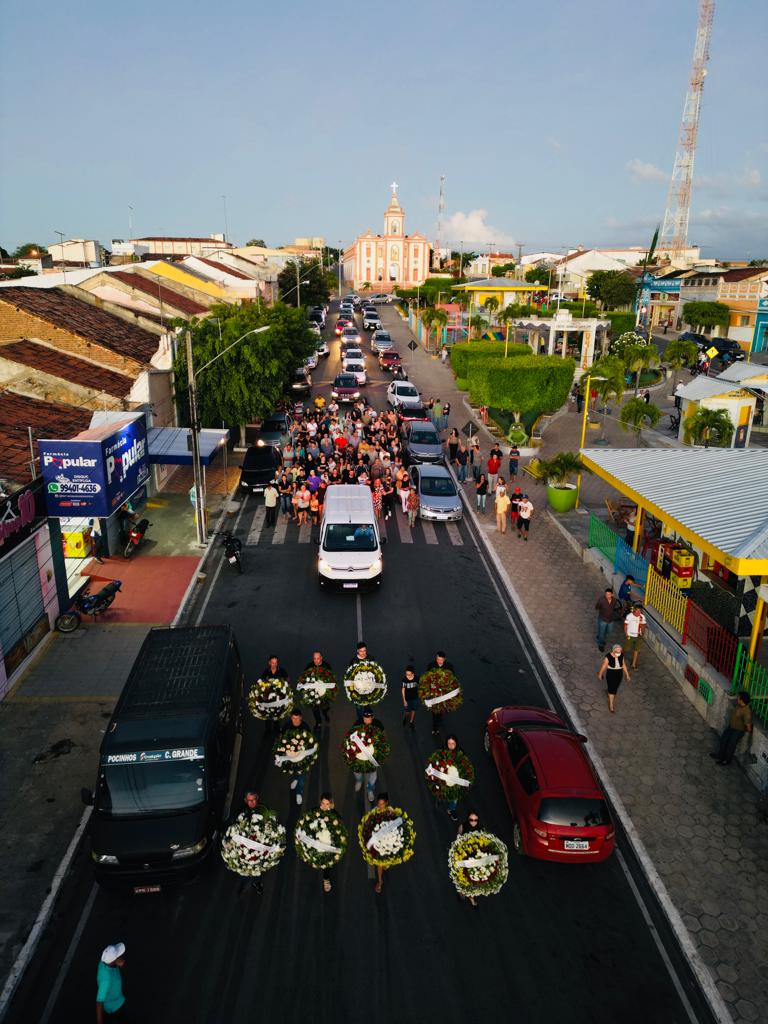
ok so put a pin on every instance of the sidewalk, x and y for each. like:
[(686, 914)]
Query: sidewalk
[(698, 822)]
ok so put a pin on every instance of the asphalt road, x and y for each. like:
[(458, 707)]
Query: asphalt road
[(560, 942)]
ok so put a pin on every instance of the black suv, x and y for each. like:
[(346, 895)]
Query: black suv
[(261, 464), (728, 350)]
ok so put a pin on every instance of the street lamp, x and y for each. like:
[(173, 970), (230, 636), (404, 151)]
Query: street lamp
[(584, 429), (63, 261), (340, 245), (195, 427)]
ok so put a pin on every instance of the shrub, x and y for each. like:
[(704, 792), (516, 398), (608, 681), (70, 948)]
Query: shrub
[(474, 351), (461, 384), (620, 322), (521, 384)]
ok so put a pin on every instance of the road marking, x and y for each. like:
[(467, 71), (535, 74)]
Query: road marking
[(383, 528), (429, 531), (406, 534), (453, 532), (212, 585), (28, 949), (305, 533), (71, 949), (257, 525), (278, 537)]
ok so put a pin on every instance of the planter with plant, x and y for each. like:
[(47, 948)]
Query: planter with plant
[(558, 473)]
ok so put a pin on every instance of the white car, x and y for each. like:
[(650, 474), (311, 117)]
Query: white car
[(357, 368), (315, 328), (311, 362), (402, 394), (371, 321), (378, 298), (352, 355), (350, 335), (322, 348)]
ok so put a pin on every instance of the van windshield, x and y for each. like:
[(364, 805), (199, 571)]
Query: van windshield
[(349, 537), (130, 790)]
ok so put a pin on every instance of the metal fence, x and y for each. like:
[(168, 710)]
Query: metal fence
[(716, 643), (750, 676), (666, 599), (630, 562), (602, 537)]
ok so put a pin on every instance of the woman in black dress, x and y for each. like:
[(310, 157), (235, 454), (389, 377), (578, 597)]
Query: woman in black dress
[(453, 445), (613, 669)]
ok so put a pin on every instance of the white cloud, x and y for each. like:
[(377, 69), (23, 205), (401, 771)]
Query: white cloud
[(554, 144), (473, 229), (724, 185), (641, 172), (751, 178)]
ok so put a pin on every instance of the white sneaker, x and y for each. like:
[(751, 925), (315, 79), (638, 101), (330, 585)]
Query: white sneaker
[(358, 786), (294, 783), (299, 798)]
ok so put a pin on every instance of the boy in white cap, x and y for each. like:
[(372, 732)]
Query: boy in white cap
[(109, 984)]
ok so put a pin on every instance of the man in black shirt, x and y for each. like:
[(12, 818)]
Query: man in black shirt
[(320, 711), (366, 718), (439, 661), (273, 670)]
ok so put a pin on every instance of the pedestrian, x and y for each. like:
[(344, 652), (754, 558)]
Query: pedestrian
[(613, 669), (302, 505), (321, 711), (475, 458), (607, 611), (271, 497), (453, 445), (412, 505), (579, 400), (493, 466), (630, 524), (382, 802), (502, 503), (524, 516), (439, 661), (327, 804), (369, 778), (739, 724), (251, 801), (296, 721), (462, 458), (666, 326), (403, 487), (109, 984), (647, 396), (481, 491), (625, 592), (285, 489), (514, 457), (437, 414), (444, 355), (446, 414), (452, 745), (635, 626), (410, 693), (470, 824), (98, 539)]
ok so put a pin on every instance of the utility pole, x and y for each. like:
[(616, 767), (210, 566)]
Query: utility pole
[(461, 259), (194, 427), (226, 225), (440, 211), (340, 244), (63, 260), (298, 286)]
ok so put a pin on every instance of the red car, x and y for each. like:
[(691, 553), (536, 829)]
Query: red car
[(342, 322), (558, 808), (390, 360)]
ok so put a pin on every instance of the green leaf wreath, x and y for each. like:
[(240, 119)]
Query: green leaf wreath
[(440, 691), (295, 750), (478, 864), (371, 740), (457, 766), (316, 685)]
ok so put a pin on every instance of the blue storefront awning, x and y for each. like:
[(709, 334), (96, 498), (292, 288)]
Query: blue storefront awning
[(171, 446)]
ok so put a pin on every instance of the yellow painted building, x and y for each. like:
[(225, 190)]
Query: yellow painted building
[(173, 272), (506, 290)]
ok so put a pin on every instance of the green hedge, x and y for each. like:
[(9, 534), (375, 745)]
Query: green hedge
[(620, 322), (525, 384), (479, 351)]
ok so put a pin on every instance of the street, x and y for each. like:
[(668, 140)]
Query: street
[(565, 942)]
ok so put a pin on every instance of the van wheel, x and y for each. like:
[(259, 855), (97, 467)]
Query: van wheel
[(517, 840)]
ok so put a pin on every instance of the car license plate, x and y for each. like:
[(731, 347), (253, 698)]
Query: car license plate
[(576, 844), (350, 586), (140, 890)]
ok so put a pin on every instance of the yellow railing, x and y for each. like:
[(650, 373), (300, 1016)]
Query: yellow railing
[(666, 599)]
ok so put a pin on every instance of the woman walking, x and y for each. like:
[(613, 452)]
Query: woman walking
[(453, 445), (410, 691), (481, 490), (403, 488), (412, 505), (613, 669)]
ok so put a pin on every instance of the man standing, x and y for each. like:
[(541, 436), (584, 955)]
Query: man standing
[(412, 503), (493, 466), (109, 984), (296, 721), (514, 456), (439, 661), (739, 725), (251, 801), (322, 709), (524, 516), (606, 613), (462, 458), (369, 778), (502, 507), (634, 630), (272, 670), (271, 497)]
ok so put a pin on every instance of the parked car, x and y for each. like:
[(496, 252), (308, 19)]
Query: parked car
[(371, 321), (261, 463), (421, 443), (351, 333), (315, 328), (273, 430), (345, 388), (728, 350), (700, 339), (401, 393), (345, 320), (558, 807), (390, 360), (311, 361), (357, 368), (380, 341), (302, 382), (316, 317), (412, 414), (439, 499), (379, 298), (350, 353), (322, 348), (318, 311)]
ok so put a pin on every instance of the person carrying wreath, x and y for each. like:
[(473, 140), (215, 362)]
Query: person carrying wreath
[(382, 802), (320, 711), (439, 661), (272, 670), (452, 745), (369, 778), (296, 721), (251, 800)]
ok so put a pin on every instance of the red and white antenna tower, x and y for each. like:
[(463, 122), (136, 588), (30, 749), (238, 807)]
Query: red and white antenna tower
[(674, 232), (440, 211)]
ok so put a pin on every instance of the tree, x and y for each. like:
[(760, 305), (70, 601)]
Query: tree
[(248, 382), (706, 314), (432, 317), (258, 242), (708, 426), (17, 273), (607, 380), (560, 469), (461, 259), (501, 271), (539, 274), (365, 286), (636, 413), (638, 358), (678, 353), (611, 288), (618, 346), (4, 254), (491, 304), (29, 249), (313, 283), (476, 324)]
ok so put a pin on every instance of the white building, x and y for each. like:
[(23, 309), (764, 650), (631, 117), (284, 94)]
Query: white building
[(169, 245), (78, 252), (571, 272)]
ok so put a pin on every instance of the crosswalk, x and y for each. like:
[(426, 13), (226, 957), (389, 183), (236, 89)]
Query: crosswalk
[(396, 530)]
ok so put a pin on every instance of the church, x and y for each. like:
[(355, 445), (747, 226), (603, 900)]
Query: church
[(391, 260)]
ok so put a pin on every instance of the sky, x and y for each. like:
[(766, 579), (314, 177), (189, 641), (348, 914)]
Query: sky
[(555, 124)]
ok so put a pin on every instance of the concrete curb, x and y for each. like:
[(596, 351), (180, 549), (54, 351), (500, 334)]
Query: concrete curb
[(705, 979)]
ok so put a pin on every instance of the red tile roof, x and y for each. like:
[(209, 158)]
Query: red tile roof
[(223, 267), (182, 238), (47, 419), (59, 364), (742, 273), (167, 295), (97, 325)]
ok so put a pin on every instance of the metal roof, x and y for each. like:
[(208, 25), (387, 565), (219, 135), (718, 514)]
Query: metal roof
[(744, 372), (707, 387), (718, 494), (169, 446), (497, 283)]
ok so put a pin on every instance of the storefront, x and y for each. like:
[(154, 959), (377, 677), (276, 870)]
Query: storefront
[(28, 597)]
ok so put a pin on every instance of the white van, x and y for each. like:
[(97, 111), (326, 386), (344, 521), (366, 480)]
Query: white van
[(350, 543)]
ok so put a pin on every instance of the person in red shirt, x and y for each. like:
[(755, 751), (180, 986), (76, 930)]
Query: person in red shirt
[(341, 443), (494, 465)]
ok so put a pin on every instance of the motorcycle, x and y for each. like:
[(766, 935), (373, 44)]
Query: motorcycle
[(674, 422), (87, 603), (136, 536), (232, 548)]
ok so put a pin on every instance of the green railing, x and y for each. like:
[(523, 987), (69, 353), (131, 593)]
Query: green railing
[(602, 537), (750, 676)]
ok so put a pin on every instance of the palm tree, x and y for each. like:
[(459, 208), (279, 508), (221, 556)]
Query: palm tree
[(636, 412), (639, 357), (427, 319), (365, 286), (608, 381), (709, 425), (491, 304), (477, 324), (439, 319), (559, 469), (678, 353)]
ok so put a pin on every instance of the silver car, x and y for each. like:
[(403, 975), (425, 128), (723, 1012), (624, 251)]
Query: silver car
[(403, 393), (437, 493), (422, 443), (371, 321), (381, 341)]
